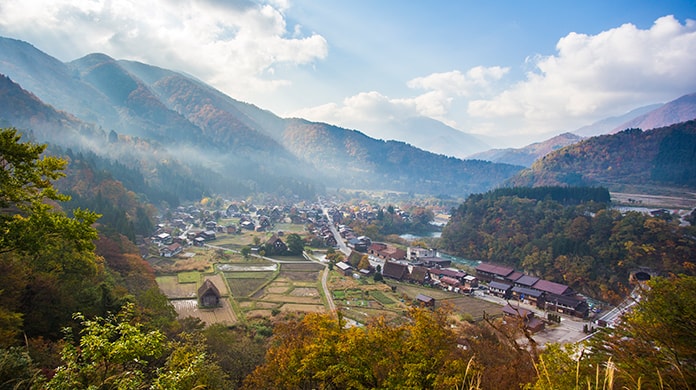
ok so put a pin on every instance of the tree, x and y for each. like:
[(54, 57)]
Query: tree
[(654, 343), (364, 262), (295, 244), (53, 252), (319, 352), (245, 251), (116, 352)]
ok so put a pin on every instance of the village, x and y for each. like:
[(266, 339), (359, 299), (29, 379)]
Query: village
[(232, 265)]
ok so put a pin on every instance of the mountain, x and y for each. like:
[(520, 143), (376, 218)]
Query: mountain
[(525, 156), (184, 136), (662, 157), (606, 125), (431, 135), (679, 110)]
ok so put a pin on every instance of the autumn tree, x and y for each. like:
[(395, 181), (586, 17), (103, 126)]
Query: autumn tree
[(653, 345), (320, 352)]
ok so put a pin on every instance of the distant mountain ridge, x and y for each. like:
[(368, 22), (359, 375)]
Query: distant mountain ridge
[(525, 156), (157, 120), (664, 156), (679, 110)]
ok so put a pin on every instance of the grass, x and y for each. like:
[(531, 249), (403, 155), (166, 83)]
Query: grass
[(243, 288), (188, 277), (381, 298), (248, 275)]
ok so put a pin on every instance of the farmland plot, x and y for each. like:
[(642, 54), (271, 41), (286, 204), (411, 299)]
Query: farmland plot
[(219, 315)]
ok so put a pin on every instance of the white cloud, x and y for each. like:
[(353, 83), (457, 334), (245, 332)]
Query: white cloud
[(592, 76), (476, 80), (233, 45), (370, 108)]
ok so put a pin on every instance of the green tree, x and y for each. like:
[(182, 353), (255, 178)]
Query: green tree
[(117, 352), (53, 252), (295, 244), (245, 251)]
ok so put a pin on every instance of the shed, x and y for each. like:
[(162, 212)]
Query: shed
[(425, 300)]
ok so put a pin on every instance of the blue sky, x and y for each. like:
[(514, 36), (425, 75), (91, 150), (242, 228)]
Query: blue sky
[(512, 71)]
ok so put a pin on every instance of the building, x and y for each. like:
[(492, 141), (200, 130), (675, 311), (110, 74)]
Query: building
[(171, 250), (208, 294), (489, 272), (344, 268), (425, 300), (395, 270)]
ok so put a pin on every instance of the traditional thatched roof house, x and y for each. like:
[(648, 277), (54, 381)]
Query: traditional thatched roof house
[(419, 275), (395, 270), (208, 294)]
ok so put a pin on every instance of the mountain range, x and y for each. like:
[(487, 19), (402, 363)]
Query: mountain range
[(647, 117), (175, 129)]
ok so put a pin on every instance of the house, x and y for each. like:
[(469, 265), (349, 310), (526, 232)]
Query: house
[(416, 253), (360, 244), (277, 244), (532, 296), (435, 262), (500, 289), (527, 317), (207, 235), (171, 250), (231, 229), (386, 252), (248, 225), (395, 270), (488, 271), (425, 300), (470, 282), (208, 294), (573, 305), (344, 268), (419, 275), (199, 241), (163, 238)]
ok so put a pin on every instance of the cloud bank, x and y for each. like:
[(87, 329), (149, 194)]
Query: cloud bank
[(234, 45), (588, 78)]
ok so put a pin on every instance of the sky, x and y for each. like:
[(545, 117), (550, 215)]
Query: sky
[(511, 72)]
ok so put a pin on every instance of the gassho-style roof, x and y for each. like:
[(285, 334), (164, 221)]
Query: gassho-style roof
[(208, 286)]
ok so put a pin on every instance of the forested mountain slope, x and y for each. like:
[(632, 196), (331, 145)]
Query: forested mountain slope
[(664, 156), (168, 124)]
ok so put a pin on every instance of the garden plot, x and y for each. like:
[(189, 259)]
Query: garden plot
[(220, 315), (170, 286)]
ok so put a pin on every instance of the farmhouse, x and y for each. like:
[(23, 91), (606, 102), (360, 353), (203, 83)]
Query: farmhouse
[(395, 270), (344, 268), (208, 294), (171, 250), (277, 244)]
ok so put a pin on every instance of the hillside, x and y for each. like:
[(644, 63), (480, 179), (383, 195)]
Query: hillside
[(662, 157), (525, 156), (166, 124)]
